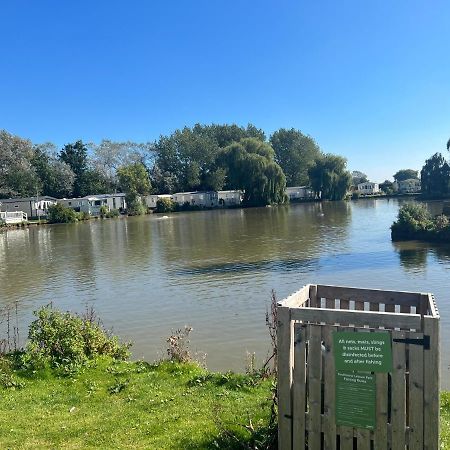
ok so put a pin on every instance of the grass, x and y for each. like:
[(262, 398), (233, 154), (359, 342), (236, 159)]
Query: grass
[(445, 420), (135, 405)]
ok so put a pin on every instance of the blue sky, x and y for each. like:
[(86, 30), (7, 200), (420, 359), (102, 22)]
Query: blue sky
[(369, 80)]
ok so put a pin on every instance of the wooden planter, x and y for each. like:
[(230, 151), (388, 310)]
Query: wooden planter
[(406, 405)]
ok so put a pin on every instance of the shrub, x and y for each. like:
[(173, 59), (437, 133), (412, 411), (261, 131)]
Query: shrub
[(164, 205), (355, 195), (84, 215), (63, 339), (134, 205), (413, 221), (60, 214)]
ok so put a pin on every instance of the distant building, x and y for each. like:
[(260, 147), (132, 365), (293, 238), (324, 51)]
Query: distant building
[(92, 204), (368, 188), (204, 199), (410, 186), (13, 217), (299, 193), (229, 198), (33, 207)]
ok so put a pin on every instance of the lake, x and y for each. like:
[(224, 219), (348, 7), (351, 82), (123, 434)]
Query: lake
[(214, 271)]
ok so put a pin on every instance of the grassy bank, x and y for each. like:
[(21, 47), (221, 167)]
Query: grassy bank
[(135, 405)]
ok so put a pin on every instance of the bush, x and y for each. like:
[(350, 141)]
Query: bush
[(134, 205), (60, 214), (106, 213), (164, 205), (415, 222), (355, 195), (84, 215), (63, 339)]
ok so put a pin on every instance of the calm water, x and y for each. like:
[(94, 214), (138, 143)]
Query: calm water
[(215, 270)]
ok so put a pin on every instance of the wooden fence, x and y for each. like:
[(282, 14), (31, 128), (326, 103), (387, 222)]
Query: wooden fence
[(407, 398)]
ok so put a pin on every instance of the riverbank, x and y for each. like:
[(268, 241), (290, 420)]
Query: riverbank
[(135, 405), (138, 405)]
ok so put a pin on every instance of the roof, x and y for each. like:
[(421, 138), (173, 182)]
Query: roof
[(195, 192), (27, 199)]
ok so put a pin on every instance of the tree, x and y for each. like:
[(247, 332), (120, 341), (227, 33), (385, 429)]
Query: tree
[(330, 179), (75, 155), (435, 176), (186, 159), (295, 153), (108, 156), (406, 174), (56, 177), (358, 177), (250, 166), (134, 181), (387, 187), (18, 177)]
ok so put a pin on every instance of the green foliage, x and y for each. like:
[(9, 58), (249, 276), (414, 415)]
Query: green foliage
[(330, 178), (83, 215), (358, 177), (251, 167), (295, 153), (105, 213), (165, 205), (186, 159), (17, 175), (387, 187), (415, 222), (60, 214), (435, 177), (69, 341), (406, 174), (134, 179)]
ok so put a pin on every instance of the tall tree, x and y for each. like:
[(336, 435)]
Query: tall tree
[(108, 156), (75, 155), (295, 153), (406, 174), (134, 181), (18, 177), (56, 177), (185, 160), (435, 176), (358, 177), (250, 166), (330, 178)]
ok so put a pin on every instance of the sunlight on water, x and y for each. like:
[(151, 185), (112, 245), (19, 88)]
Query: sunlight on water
[(215, 270)]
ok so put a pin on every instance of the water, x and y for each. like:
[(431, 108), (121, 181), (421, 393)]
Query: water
[(214, 270)]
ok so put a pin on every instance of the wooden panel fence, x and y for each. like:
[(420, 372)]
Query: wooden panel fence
[(407, 398)]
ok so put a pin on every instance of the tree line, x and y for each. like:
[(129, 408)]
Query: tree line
[(202, 157)]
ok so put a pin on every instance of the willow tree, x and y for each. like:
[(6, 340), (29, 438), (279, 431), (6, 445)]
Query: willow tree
[(330, 178), (250, 166)]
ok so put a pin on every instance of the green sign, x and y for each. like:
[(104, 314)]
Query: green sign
[(355, 399), (362, 352)]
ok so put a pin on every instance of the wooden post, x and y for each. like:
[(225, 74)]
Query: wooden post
[(284, 348), (431, 384)]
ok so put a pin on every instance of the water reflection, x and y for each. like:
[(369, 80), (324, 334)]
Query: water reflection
[(214, 270)]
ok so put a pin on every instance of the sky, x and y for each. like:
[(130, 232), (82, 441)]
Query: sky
[(369, 80)]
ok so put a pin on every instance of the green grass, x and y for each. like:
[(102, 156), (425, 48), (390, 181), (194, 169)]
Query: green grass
[(134, 405), (445, 420), (137, 405)]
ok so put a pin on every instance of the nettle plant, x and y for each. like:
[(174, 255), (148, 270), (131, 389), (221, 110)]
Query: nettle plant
[(69, 341)]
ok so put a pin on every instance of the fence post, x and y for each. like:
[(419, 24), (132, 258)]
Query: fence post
[(284, 349), (431, 383)]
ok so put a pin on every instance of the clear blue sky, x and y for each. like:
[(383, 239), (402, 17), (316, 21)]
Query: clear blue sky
[(369, 80)]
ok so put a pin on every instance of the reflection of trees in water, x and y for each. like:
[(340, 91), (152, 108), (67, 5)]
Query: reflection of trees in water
[(414, 255), (255, 237)]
